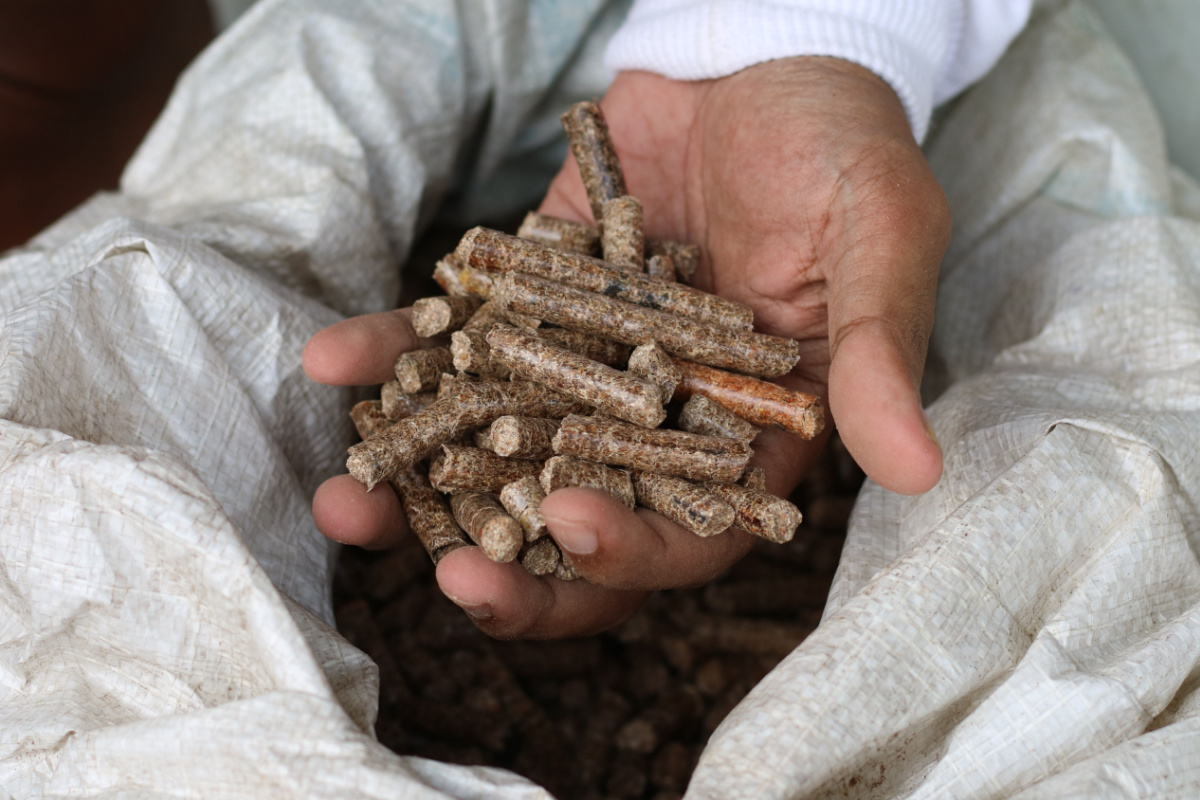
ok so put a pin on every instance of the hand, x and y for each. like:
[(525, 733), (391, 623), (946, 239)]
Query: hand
[(800, 180)]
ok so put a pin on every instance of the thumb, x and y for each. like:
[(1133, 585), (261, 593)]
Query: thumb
[(880, 316)]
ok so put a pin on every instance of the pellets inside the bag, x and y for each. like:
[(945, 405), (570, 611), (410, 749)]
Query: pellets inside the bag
[(661, 267), (558, 304), (522, 437), (606, 351), (369, 419), (540, 557), (685, 258), (759, 402), (673, 710), (651, 363), (591, 382), (398, 404), (421, 370), (434, 316), (591, 144), (702, 415), (686, 455), (683, 502), (563, 471), (492, 250), (498, 535), (758, 512), (754, 478), (428, 515), (460, 469), (522, 499), (621, 238), (561, 234)]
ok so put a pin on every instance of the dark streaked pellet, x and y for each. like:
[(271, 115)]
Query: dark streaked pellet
[(758, 512), (592, 146), (682, 502)]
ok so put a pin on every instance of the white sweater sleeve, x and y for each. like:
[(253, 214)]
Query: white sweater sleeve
[(927, 50)]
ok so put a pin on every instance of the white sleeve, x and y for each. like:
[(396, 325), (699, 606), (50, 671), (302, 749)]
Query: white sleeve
[(927, 50)]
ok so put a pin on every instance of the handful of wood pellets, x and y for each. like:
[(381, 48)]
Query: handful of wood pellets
[(562, 368)]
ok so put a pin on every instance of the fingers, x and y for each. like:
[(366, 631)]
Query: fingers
[(361, 351), (346, 512)]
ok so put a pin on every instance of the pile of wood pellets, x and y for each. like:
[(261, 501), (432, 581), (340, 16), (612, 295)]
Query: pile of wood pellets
[(561, 370), (623, 714)]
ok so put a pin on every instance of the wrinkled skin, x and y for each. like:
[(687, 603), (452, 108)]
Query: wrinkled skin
[(813, 204)]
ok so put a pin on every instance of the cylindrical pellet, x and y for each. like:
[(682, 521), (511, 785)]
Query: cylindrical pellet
[(683, 502), (592, 146), (470, 469), (429, 517), (606, 351), (492, 250), (704, 416), (761, 403), (754, 478), (621, 239), (435, 316), (398, 404), (523, 500), (744, 351), (421, 370), (522, 437), (651, 363), (369, 419), (686, 455), (497, 534), (684, 257), (563, 471), (447, 273), (758, 512), (661, 267), (591, 382), (561, 234), (540, 557)]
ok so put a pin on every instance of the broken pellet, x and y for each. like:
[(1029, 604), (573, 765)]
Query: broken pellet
[(686, 455), (492, 250), (758, 512), (434, 316), (592, 146), (522, 499), (565, 571), (558, 304), (398, 404), (621, 239), (606, 351), (589, 381), (447, 274), (684, 503), (369, 419), (462, 469), (561, 234), (651, 363), (421, 370), (754, 478), (497, 534), (522, 437), (759, 402), (563, 471), (661, 267), (702, 415), (428, 516), (540, 557), (684, 257), (471, 353)]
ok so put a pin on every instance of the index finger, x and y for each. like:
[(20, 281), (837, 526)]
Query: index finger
[(361, 351)]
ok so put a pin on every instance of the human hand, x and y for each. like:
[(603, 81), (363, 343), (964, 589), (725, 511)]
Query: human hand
[(800, 180)]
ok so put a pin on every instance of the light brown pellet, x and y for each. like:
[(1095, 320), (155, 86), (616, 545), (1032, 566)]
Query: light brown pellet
[(758, 512), (497, 534), (563, 471), (592, 146), (522, 437), (744, 351), (754, 478), (686, 455), (369, 419), (606, 351), (621, 238), (661, 267), (522, 499), (492, 250), (434, 316), (589, 381), (540, 557), (651, 363), (684, 503), (761, 403), (398, 404), (461, 469), (447, 274), (471, 353), (561, 234), (428, 516), (701, 415), (421, 370), (684, 257)]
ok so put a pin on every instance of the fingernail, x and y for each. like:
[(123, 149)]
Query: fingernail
[(477, 610), (574, 536), (930, 432)]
